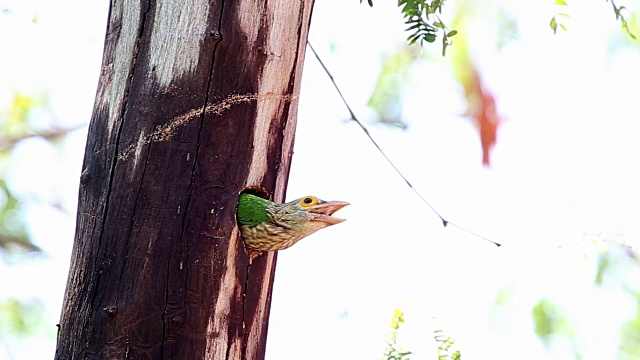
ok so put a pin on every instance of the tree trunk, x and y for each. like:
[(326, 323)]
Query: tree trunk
[(196, 101)]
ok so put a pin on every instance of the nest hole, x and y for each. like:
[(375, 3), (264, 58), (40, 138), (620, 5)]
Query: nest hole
[(257, 191)]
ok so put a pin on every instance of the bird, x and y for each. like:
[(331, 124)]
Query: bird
[(269, 226)]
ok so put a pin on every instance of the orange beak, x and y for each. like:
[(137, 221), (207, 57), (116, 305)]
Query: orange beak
[(323, 211)]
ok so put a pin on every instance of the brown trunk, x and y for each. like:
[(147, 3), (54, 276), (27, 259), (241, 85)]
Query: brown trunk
[(196, 100)]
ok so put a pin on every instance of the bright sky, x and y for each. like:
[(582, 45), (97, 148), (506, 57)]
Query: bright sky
[(564, 171)]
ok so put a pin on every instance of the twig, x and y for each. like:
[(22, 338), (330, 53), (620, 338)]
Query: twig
[(445, 222)]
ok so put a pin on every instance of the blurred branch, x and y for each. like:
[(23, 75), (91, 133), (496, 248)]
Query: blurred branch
[(51, 135), (619, 11), (7, 242)]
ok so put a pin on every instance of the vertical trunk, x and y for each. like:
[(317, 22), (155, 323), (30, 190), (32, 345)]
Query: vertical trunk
[(158, 269)]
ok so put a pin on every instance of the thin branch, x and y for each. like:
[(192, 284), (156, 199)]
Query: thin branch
[(445, 222), (53, 134)]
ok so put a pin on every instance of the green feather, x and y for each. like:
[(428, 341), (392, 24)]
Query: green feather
[(252, 210)]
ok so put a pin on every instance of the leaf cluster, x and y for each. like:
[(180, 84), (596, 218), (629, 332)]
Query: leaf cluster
[(393, 350), (620, 11), (446, 346), (556, 19), (424, 23)]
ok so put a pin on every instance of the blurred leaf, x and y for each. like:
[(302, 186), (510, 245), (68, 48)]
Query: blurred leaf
[(13, 235), (603, 264), (14, 119), (616, 256), (504, 296), (393, 82), (481, 102), (630, 335), (397, 319), (21, 319), (556, 21), (481, 105), (543, 320), (549, 319), (618, 268), (553, 24)]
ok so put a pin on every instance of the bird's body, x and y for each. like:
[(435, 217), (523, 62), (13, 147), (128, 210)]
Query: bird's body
[(269, 226)]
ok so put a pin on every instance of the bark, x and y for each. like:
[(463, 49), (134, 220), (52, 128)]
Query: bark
[(158, 269)]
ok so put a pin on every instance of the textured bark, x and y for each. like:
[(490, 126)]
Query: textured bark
[(158, 269)]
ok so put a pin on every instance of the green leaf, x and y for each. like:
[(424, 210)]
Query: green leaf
[(421, 24), (561, 2), (413, 38), (414, 26), (452, 33)]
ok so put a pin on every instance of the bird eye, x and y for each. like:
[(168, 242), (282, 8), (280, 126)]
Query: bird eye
[(308, 201)]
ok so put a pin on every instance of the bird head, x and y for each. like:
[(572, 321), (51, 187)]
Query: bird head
[(308, 211), (266, 225)]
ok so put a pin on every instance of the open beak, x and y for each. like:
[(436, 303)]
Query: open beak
[(323, 211)]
